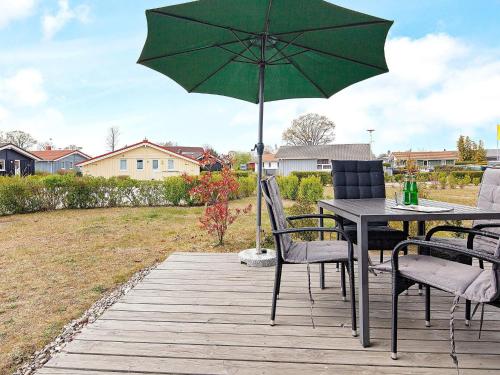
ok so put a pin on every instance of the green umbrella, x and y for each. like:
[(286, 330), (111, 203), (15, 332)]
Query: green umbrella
[(264, 50)]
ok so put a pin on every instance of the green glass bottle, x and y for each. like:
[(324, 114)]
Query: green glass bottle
[(413, 191), (406, 191)]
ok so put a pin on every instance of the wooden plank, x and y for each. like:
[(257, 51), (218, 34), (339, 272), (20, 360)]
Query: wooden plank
[(339, 342), (142, 352), (225, 367), (299, 331)]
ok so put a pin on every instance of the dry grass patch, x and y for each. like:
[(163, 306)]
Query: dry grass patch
[(56, 264)]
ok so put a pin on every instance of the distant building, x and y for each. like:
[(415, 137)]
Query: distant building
[(196, 153), (270, 164), (424, 160), (142, 161), (15, 161), (493, 156), (318, 158), (52, 161)]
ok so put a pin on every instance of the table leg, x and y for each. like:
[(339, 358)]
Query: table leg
[(364, 299), (420, 232), (321, 265)]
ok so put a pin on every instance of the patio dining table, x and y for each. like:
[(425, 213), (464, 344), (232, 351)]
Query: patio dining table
[(365, 211)]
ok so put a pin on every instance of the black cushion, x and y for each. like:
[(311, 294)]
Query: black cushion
[(358, 179), (379, 237)]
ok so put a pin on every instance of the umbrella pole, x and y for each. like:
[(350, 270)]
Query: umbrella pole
[(260, 151)]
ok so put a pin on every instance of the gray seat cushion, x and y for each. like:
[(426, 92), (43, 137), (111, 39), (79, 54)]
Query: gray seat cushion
[(470, 282), (317, 251), (449, 276)]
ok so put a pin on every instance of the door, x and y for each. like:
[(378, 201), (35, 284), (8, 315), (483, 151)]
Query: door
[(17, 167)]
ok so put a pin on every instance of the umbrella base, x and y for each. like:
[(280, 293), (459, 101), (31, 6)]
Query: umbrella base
[(252, 259)]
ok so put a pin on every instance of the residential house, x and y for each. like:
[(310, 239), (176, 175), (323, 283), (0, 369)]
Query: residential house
[(424, 160), (15, 161), (142, 161), (196, 153), (318, 158), (493, 156), (270, 164), (53, 161)]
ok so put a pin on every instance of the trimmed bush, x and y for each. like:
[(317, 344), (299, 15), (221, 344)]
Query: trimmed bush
[(310, 189), (289, 186), (325, 177), (247, 186)]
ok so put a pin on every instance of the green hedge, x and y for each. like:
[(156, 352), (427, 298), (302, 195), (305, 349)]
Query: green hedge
[(435, 176), (310, 189), (325, 177), (44, 193), (289, 186)]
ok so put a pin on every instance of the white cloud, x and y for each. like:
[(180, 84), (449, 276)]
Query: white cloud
[(53, 23), (438, 87), (24, 88), (11, 10)]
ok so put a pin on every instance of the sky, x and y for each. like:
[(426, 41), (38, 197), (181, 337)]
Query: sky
[(68, 72)]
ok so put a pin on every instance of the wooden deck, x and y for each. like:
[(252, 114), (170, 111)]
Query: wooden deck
[(207, 314)]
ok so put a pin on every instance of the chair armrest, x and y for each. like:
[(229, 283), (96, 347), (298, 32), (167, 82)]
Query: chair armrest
[(472, 232), (442, 246), (486, 225)]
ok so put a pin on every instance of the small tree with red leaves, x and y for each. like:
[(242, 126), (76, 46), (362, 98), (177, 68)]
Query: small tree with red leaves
[(214, 190)]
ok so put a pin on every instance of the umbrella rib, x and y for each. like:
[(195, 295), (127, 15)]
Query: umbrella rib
[(238, 54), (286, 57), (188, 51), (336, 56), (285, 47), (156, 11), (244, 44), (213, 73), (268, 14), (299, 69), (368, 23)]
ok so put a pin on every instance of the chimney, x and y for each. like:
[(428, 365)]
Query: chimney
[(48, 147)]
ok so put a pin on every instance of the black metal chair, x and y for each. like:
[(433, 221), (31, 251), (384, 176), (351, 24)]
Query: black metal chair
[(292, 252), (488, 198), (356, 179), (462, 280)]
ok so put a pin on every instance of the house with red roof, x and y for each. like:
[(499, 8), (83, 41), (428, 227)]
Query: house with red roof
[(53, 161), (142, 161)]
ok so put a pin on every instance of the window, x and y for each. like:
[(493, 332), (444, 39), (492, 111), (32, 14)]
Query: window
[(155, 165), (170, 164), (323, 164), (70, 164), (2, 164), (123, 165), (140, 164)]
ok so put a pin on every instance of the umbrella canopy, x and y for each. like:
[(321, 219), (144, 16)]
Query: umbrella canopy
[(312, 48), (300, 48)]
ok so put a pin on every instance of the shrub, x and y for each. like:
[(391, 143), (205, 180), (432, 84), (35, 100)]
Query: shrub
[(452, 181), (303, 208), (442, 182), (467, 179), (289, 186), (310, 189), (326, 177), (247, 186), (175, 190), (476, 181)]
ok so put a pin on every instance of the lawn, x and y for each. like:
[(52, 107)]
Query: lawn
[(56, 264)]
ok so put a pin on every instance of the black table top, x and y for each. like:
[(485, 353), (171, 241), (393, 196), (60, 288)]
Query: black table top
[(380, 209)]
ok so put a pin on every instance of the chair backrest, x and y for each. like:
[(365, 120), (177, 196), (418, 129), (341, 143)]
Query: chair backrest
[(488, 199), (358, 179), (271, 192)]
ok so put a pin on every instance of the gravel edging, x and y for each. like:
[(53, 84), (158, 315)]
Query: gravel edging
[(39, 358)]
